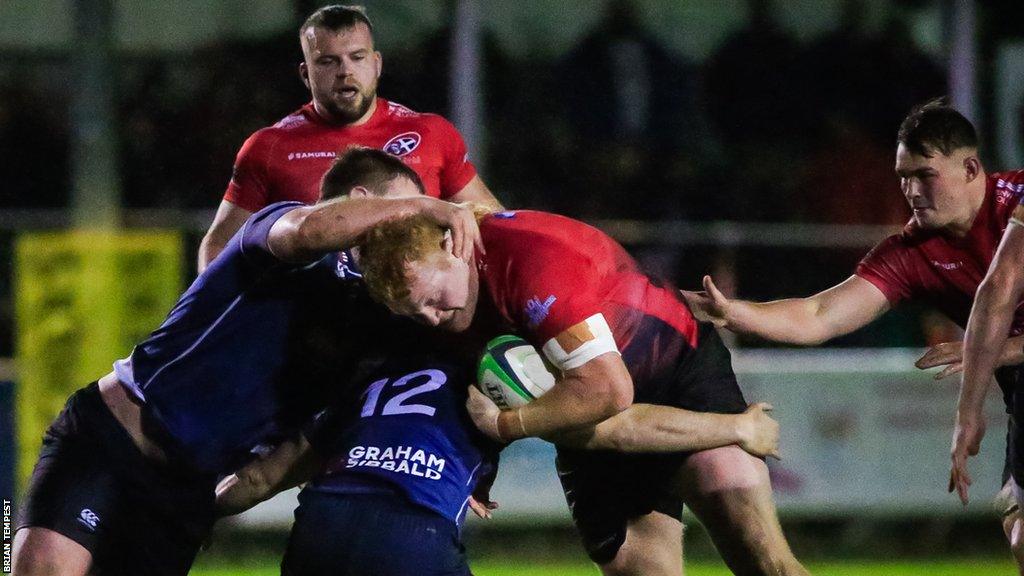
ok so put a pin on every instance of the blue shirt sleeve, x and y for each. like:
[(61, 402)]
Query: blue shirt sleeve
[(252, 237)]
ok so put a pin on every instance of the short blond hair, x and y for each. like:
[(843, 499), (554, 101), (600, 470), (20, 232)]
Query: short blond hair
[(389, 249)]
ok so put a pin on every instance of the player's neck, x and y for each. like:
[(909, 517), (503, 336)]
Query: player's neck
[(976, 191), (369, 113)]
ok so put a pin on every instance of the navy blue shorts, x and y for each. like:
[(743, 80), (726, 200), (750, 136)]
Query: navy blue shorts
[(371, 535), (93, 485)]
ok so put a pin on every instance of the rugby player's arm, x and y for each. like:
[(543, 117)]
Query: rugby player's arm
[(991, 317), (290, 464), (308, 232), (477, 192), (654, 428), (583, 396), (226, 222), (812, 320)]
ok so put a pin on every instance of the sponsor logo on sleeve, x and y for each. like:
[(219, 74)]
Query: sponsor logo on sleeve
[(1007, 191), (402, 144), (537, 311)]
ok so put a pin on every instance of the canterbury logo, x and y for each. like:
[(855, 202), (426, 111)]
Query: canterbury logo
[(89, 519)]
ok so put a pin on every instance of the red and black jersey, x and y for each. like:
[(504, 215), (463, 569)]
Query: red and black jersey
[(287, 160), (944, 271), (546, 274)]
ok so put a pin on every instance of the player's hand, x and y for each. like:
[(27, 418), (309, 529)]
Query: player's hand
[(758, 431), (480, 501), (460, 220), (948, 354), (967, 436), (484, 413), (710, 305), (483, 509)]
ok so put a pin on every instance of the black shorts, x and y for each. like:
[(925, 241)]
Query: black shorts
[(605, 490), (93, 485), (371, 535), (1009, 379)]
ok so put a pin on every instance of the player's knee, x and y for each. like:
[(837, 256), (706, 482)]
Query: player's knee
[(727, 469)]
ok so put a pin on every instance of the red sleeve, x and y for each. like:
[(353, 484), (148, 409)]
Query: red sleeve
[(456, 170), (248, 186), (550, 289), (886, 267)]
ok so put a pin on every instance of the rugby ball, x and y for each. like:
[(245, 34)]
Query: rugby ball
[(512, 372)]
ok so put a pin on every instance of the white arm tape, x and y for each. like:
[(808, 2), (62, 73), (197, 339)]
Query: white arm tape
[(601, 343)]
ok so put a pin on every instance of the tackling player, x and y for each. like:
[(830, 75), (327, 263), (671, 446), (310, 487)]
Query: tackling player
[(618, 339), (940, 257), (285, 161), (259, 342), (396, 469)]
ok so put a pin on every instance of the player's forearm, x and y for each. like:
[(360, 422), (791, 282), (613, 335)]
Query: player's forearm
[(793, 321), (570, 405), (209, 248), (985, 338), (290, 464), (340, 224), (653, 428)]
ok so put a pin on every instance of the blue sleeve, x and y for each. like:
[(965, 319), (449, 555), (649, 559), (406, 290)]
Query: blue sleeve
[(251, 239)]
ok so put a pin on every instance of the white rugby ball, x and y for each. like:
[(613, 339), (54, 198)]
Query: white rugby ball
[(512, 372)]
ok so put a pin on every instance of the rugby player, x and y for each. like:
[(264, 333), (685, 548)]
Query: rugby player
[(398, 468), (125, 481), (285, 161), (940, 258), (993, 316), (617, 338)]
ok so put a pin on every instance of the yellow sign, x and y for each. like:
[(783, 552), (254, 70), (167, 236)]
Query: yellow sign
[(82, 300)]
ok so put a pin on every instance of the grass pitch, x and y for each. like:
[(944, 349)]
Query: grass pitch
[(955, 567)]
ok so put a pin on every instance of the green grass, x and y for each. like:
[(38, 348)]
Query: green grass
[(961, 567)]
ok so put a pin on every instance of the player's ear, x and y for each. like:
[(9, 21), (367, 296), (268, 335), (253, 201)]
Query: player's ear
[(304, 73), (972, 168), (359, 192), (379, 60)]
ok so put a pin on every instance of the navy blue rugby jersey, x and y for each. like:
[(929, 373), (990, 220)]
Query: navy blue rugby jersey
[(409, 434), (252, 350)]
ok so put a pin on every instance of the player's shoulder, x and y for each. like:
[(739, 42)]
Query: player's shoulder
[(402, 113), (290, 123)]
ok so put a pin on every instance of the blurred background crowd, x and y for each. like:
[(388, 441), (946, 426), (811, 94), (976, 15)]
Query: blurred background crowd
[(741, 111)]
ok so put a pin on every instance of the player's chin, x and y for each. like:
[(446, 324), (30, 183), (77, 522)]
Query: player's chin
[(459, 322)]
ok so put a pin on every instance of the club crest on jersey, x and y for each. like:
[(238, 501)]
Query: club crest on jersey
[(402, 144), (537, 311)]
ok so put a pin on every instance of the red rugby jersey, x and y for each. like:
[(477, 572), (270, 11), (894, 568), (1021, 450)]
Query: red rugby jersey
[(546, 273), (286, 161), (942, 271)]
